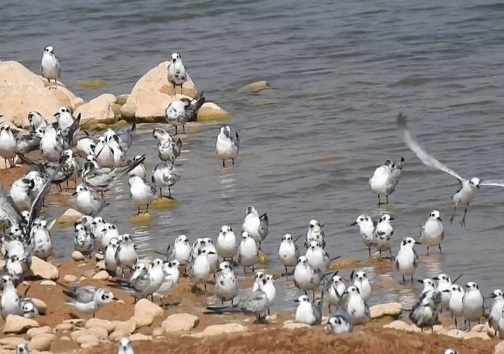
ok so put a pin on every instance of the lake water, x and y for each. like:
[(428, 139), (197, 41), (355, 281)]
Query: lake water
[(340, 73)]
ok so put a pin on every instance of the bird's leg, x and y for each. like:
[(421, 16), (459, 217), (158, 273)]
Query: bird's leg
[(138, 210), (369, 251), (390, 250), (176, 130), (204, 285), (223, 163), (183, 128), (379, 201), (412, 280), (403, 280), (440, 250), (456, 325), (387, 199), (427, 250), (169, 193), (147, 210), (253, 269), (244, 270), (462, 223), (453, 214), (232, 161), (94, 315), (305, 292), (380, 253), (313, 298)]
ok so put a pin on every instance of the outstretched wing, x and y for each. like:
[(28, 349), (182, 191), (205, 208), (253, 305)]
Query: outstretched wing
[(9, 208), (427, 159), (493, 182)]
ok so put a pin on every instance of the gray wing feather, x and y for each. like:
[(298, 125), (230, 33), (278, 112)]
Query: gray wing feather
[(82, 294), (493, 182), (9, 208)]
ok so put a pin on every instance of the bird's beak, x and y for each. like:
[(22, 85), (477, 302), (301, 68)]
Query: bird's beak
[(446, 291), (74, 193), (55, 114), (418, 243), (296, 301), (354, 223), (436, 278), (478, 186), (391, 218), (439, 218), (115, 299), (345, 293), (493, 296), (420, 281)]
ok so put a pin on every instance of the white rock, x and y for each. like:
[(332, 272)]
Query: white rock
[(41, 305), (157, 332), (101, 265), (143, 321), (76, 334), (481, 335), (89, 344), (44, 269), (99, 332), (255, 87), (393, 309), (118, 334), (101, 275), (11, 342), (69, 278), (41, 342), (64, 327), (455, 333), (77, 256), (124, 326), (478, 328), (289, 324), (18, 324), (139, 336), (69, 216), (86, 338), (499, 348), (215, 330), (97, 322), (32, 332), (98, 110), (48, 283), (144, 306), (179, 322)]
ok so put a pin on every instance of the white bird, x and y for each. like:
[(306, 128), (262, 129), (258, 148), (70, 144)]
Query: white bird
[(199, 270), (177, 74), (288, 252), (142, 192), (109, 256), (501, 325), (317, 257), (227, 146), (496, 310), (211, 251), (7, 144), (41, 238), (306, 277), (86, 146), (335, 291), (164, 175), (426, 310), (171, 277), (88, 299), (306, 312), (443, 283), (450, 351), (126, 256), (473, 304), (22, 193), (248, 255), (125, 346), (406, 261), (64, 118), (385, 178), (10, 304), (50, 66), (226, 285), (432, 232), (182, 111), (87, 201), (428, 284), (468, 188), (139, 170), (83, 240), (361, 281), (366, 229), (340, 322), (383, 234), (255, 225), (227, 244), (29, 308), (356, 306), (181, 251), (315, 233), (107, 232), (22, 349), (168, 148)]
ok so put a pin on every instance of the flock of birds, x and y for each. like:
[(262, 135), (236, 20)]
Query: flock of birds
[(99, 162)]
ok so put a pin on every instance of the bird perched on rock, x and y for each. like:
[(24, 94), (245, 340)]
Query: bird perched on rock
[(50, 66), (177, 74), (182, 111)]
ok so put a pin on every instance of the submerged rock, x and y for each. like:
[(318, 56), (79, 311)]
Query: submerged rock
[(255, 87)]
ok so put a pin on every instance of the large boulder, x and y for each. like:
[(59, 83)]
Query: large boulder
[(98, 110), (23, 91)]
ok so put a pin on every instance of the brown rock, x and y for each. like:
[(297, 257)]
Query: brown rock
[(41, 305), (32, 332), (139, 336), (179, 322), (86, 338), (64, 327), (77, 256), (144, 306), (392, 309), (499, 348), (99, 332), (211, 112), (97, 322), (18, 324), (41, 342), (69, 216), (101, 275), (143, 320), (216, 330), (69, 278), (255, 87), (98, 110), (11, 342)]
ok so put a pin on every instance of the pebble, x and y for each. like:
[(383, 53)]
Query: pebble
[(69, 216), (144, 306), (69, 278), (32, 332), (392, 309), (41, 342), (400, 325), (47, 283), (289, 324), (101, 265), (64, 327), (179, 322), (65, 338), (481, 335), (77, 256), (99, 256), (499, 348), (216, 330), (76, 334), (97, 322), (41, 305), (118, 334), (44, 269), (139, 336), (75, 321), (158, 331), (99, 332), (89, 344), (86, 338), (124, 326), (18, 324), (11, 342), (101, 275), (143, 321)]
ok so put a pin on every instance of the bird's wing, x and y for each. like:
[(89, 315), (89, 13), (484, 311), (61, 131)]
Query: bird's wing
[(9, 208), (82, 294), (394, 177), (427, 159), (493, 182), (34, 165)]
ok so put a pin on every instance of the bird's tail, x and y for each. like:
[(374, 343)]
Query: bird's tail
[(212, 310), (199, 102)]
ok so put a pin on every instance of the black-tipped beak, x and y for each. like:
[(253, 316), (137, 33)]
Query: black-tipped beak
[(478, 186), (420, 280), (493, 296), (74, 193), (446, 291), (211, 252), (296, 301), (418, 243), (391, 218), (354, 223), (435, 278), (467, 286), (115, 299), (439, 218)]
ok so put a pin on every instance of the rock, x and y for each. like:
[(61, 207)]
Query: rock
[(44, 269), (480, 335), (124, 326), (289, 324), (41, 305), (76, 334), (101, 275), (32, 332), (490, 331), (69, 217), (18, 324), (64, 95), (478, 328), (23, 91), (215, 330), (158, 331), (64, 327), (75, 321), (99, 256), (101, 265), (77, 256), (99, 332), (211, 112), (65, 338), (455, 333), (97, 322), (86, 338), (11, 342), (398, 325), (76, 103), (121, 99), (139, 336), (118, 334), (42, 342), (144, 306), (69, 278), (255, 87), (47, 283), (98, 110), (142, 321), (499, 348), (151, 94), (89, 344), (392, 309), (179, 322)]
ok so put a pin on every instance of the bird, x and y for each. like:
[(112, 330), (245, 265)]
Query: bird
[(164, 175), (171, 277), (199, 270), (366, 229), (425, 312), (181, 250), (177, 74), (226, 285), (406, 261), (383, 234), (41, 238), (183, 110), (428, 284), (21, 193), (87, 201), (315, 233), (248, 255), (142, 192), (139, 170), (443, 282), (125, 346), (317, 257), (125, 137), (227, 244), (496, 310), (339, 322), (288, 252), (125, 256), (10, 303), (472, 304), (356, 307), (385, 178), (50, 66), (335, 289), (468, 187), (307, 312), (86, 146), (22, 348), (255, 225), (109, 256), (432, 232), (37, 121), (455, 304), (450, 351), (88, 299), (147, 282), (227, 146), (306, 277), (84, 241), (64, 118), (168, 148), (7, 145), (29, 308)]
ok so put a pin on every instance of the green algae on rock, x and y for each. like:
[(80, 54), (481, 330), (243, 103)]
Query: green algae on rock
[(162, 203), (140, 219), (92, 83)]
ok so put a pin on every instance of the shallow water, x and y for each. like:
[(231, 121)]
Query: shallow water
[(340, 73)]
